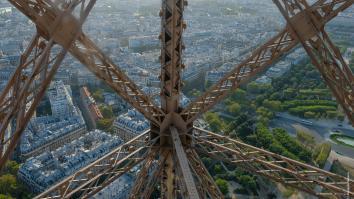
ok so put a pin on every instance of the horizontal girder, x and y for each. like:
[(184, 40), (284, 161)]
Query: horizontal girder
[(91, 179), (272, 166), (43, 13), (262, 58), (323, 53), (32, 77)]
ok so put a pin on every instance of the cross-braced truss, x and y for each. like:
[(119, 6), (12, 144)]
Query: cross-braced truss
[(167, 155)]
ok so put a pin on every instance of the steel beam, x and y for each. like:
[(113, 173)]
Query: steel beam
[(168, 178), (272, 166), (206, 182), (88, 54), (56, 26), (171, 53), (146, 170), (91, 179), (153, 179), (261, 59), (184, 165), (24, 91), (104, 68), (172, 46), (307, 28)]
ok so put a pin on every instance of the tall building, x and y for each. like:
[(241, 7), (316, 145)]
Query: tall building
[(48, 168), (60, 98), (47, 133)]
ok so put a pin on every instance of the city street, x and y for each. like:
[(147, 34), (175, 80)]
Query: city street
[(320, 129)]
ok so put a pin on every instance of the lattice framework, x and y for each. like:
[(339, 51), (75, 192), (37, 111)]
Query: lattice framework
[(168, 152)]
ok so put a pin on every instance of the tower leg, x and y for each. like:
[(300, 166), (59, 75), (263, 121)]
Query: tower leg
[(168, 185)]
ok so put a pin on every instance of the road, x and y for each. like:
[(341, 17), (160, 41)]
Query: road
[(320, 129)]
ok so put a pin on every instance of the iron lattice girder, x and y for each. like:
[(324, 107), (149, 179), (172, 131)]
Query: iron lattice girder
[(153, 180), (172, 186), (43, 13), (171, 53), (37, 68), (99, 64), (148, 176), (273, 166), (94, 177), (183, 165), (324, 55), (145, 172), (262, 58), (206, 182)]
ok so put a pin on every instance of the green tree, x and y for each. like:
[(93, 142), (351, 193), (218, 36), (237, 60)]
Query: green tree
[(263, 136), (289, 93), (207, 161), (256, 88), (218, 169), (107, 112), (194, 93), (104, 124), (214, 121), (309, 114), (11, 167), (248, 182), (8, 184), (292, 145), (331, 114), (234, 108), (239, 95), (273, 105), (98, 96), (321, 153), (2, 196), (339, 169), (264, 115), (223, 185), (306, 139)]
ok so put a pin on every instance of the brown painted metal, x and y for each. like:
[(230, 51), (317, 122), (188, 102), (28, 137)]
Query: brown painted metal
[(149, 172), (273, 166), (306, 26), (94, 177), (56, 27), (89, 55), (153, 180), (146, 168), (99, 64), (172, 26), (262, 58), (183, 165), (24, 91), (206, 182)]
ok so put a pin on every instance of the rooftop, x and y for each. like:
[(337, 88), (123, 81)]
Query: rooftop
[(48, 168)]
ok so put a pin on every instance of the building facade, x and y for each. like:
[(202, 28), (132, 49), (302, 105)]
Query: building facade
[(130, 125), (60, 98), (48, 168)]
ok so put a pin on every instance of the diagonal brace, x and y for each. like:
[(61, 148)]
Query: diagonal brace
[(183, 162)]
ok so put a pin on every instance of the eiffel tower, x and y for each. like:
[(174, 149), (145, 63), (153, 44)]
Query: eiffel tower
[(168, 153)]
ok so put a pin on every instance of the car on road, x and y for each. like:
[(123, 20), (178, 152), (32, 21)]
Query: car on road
[(336, 130), (306, 122)]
